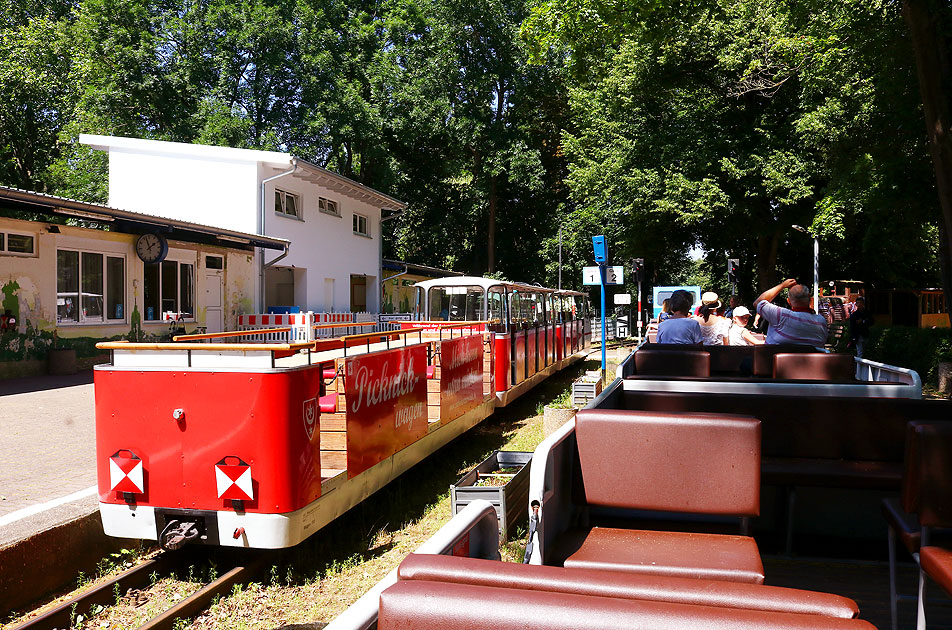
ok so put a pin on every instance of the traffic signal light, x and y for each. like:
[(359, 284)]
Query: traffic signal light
[(638, 267), (733, 264)]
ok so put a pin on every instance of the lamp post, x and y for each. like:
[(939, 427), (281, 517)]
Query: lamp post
[(816, 266)]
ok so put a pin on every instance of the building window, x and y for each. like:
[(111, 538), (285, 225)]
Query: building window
[(287, 203), (90, 287), (21, 244), (169, 287), (214, 262), (361, 226), (328, 206)]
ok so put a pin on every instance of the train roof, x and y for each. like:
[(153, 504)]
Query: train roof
[(484, 283)]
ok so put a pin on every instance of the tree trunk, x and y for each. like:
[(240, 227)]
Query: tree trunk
[(932, 65), (767, 245), (491, 237)]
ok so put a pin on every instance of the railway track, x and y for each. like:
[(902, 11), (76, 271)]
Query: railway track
[(64, 615)]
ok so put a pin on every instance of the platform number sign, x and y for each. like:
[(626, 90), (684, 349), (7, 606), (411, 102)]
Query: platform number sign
[(613, 275)]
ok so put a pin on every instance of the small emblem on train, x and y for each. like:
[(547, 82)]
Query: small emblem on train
[(310, 416)]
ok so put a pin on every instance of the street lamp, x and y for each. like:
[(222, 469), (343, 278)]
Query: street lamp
[(816, 266)]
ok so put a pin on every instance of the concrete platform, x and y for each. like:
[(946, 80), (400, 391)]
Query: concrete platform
[(49, 519)]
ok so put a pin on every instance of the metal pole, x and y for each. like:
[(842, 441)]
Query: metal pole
[(601, 273), (638, 335), (816, 274), (560, 258)]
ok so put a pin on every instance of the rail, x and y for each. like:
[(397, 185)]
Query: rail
[(104, 595), (219, 347), (230, 334)]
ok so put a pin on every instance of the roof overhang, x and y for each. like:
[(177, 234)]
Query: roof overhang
[(338, 183), (134, 222)]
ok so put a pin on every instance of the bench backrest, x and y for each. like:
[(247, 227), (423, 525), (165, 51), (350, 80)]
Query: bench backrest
[(933, 454), (424, 605), (814, 366), (699, 463), (764, 354), (685, 362), (731, 359), (821, 427), (603, 583)]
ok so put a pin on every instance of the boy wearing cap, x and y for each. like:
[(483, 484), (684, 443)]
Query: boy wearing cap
[(738, 335)]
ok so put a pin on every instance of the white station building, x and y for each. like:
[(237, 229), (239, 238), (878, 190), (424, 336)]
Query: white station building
[(333, 223)]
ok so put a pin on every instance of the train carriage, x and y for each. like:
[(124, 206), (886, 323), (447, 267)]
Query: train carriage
[(260, 445)]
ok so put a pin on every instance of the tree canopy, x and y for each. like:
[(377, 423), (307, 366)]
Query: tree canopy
[(511, 126)]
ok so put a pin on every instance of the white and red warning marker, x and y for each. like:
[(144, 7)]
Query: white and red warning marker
[(125, 472), (234, 479)]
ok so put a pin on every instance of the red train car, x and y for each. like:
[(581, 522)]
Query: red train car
[(262, 444)]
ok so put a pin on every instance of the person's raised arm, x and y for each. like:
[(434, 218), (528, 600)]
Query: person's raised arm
[(770, 294)]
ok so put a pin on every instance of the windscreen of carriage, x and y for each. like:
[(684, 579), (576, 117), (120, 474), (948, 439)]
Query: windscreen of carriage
[(456, 304)]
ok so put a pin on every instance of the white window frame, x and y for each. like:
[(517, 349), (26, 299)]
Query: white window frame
[(329, 206), (366, 221), (181, 258), (283, 195), (104, 319), (5, 245)]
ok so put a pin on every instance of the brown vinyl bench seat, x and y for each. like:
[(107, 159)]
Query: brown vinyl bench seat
[(606, 583), (422, 605), (698, 463), (669, 553)]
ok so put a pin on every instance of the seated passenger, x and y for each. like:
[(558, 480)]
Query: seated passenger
[(680, 327), (665, 311), (797, 324), (713, 326), (737, 334)]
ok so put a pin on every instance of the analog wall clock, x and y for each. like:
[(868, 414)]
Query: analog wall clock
[(152, 248)]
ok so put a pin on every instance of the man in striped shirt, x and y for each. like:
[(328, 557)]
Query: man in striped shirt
[(797, 324)]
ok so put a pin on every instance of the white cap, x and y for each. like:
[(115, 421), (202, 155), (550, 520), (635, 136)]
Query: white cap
[(740, 311)]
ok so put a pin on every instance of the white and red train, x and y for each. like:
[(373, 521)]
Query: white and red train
[(262, 444)]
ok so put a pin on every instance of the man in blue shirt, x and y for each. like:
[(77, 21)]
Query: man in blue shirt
[(680, 327)]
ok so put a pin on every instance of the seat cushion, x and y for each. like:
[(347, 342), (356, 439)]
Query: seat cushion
[(937, 563), (421, 605), (328, 403), (678, 554), (602, 583)]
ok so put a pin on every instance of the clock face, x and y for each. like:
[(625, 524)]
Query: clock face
[(152, 248)]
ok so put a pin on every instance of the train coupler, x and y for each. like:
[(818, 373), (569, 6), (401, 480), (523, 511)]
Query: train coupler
[(178, 533)]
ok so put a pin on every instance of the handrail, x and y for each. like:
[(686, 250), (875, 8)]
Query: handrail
[(126, 345), (231, 333), (344, 325), (442, 323)]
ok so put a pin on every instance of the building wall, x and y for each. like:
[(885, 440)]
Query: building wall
[(325, 245), (225, 193), (28, 288), (200, 190)]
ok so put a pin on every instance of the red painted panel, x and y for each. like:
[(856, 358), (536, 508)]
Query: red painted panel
[(386, 404), (501, 362), (519, 338), (261, 418), (461, 376), (532, 352), (559, 341)]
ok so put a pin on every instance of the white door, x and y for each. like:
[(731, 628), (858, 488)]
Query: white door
[(213, 294)]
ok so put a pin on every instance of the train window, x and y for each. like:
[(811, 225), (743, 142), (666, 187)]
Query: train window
[(496, 305), (455, 304)]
